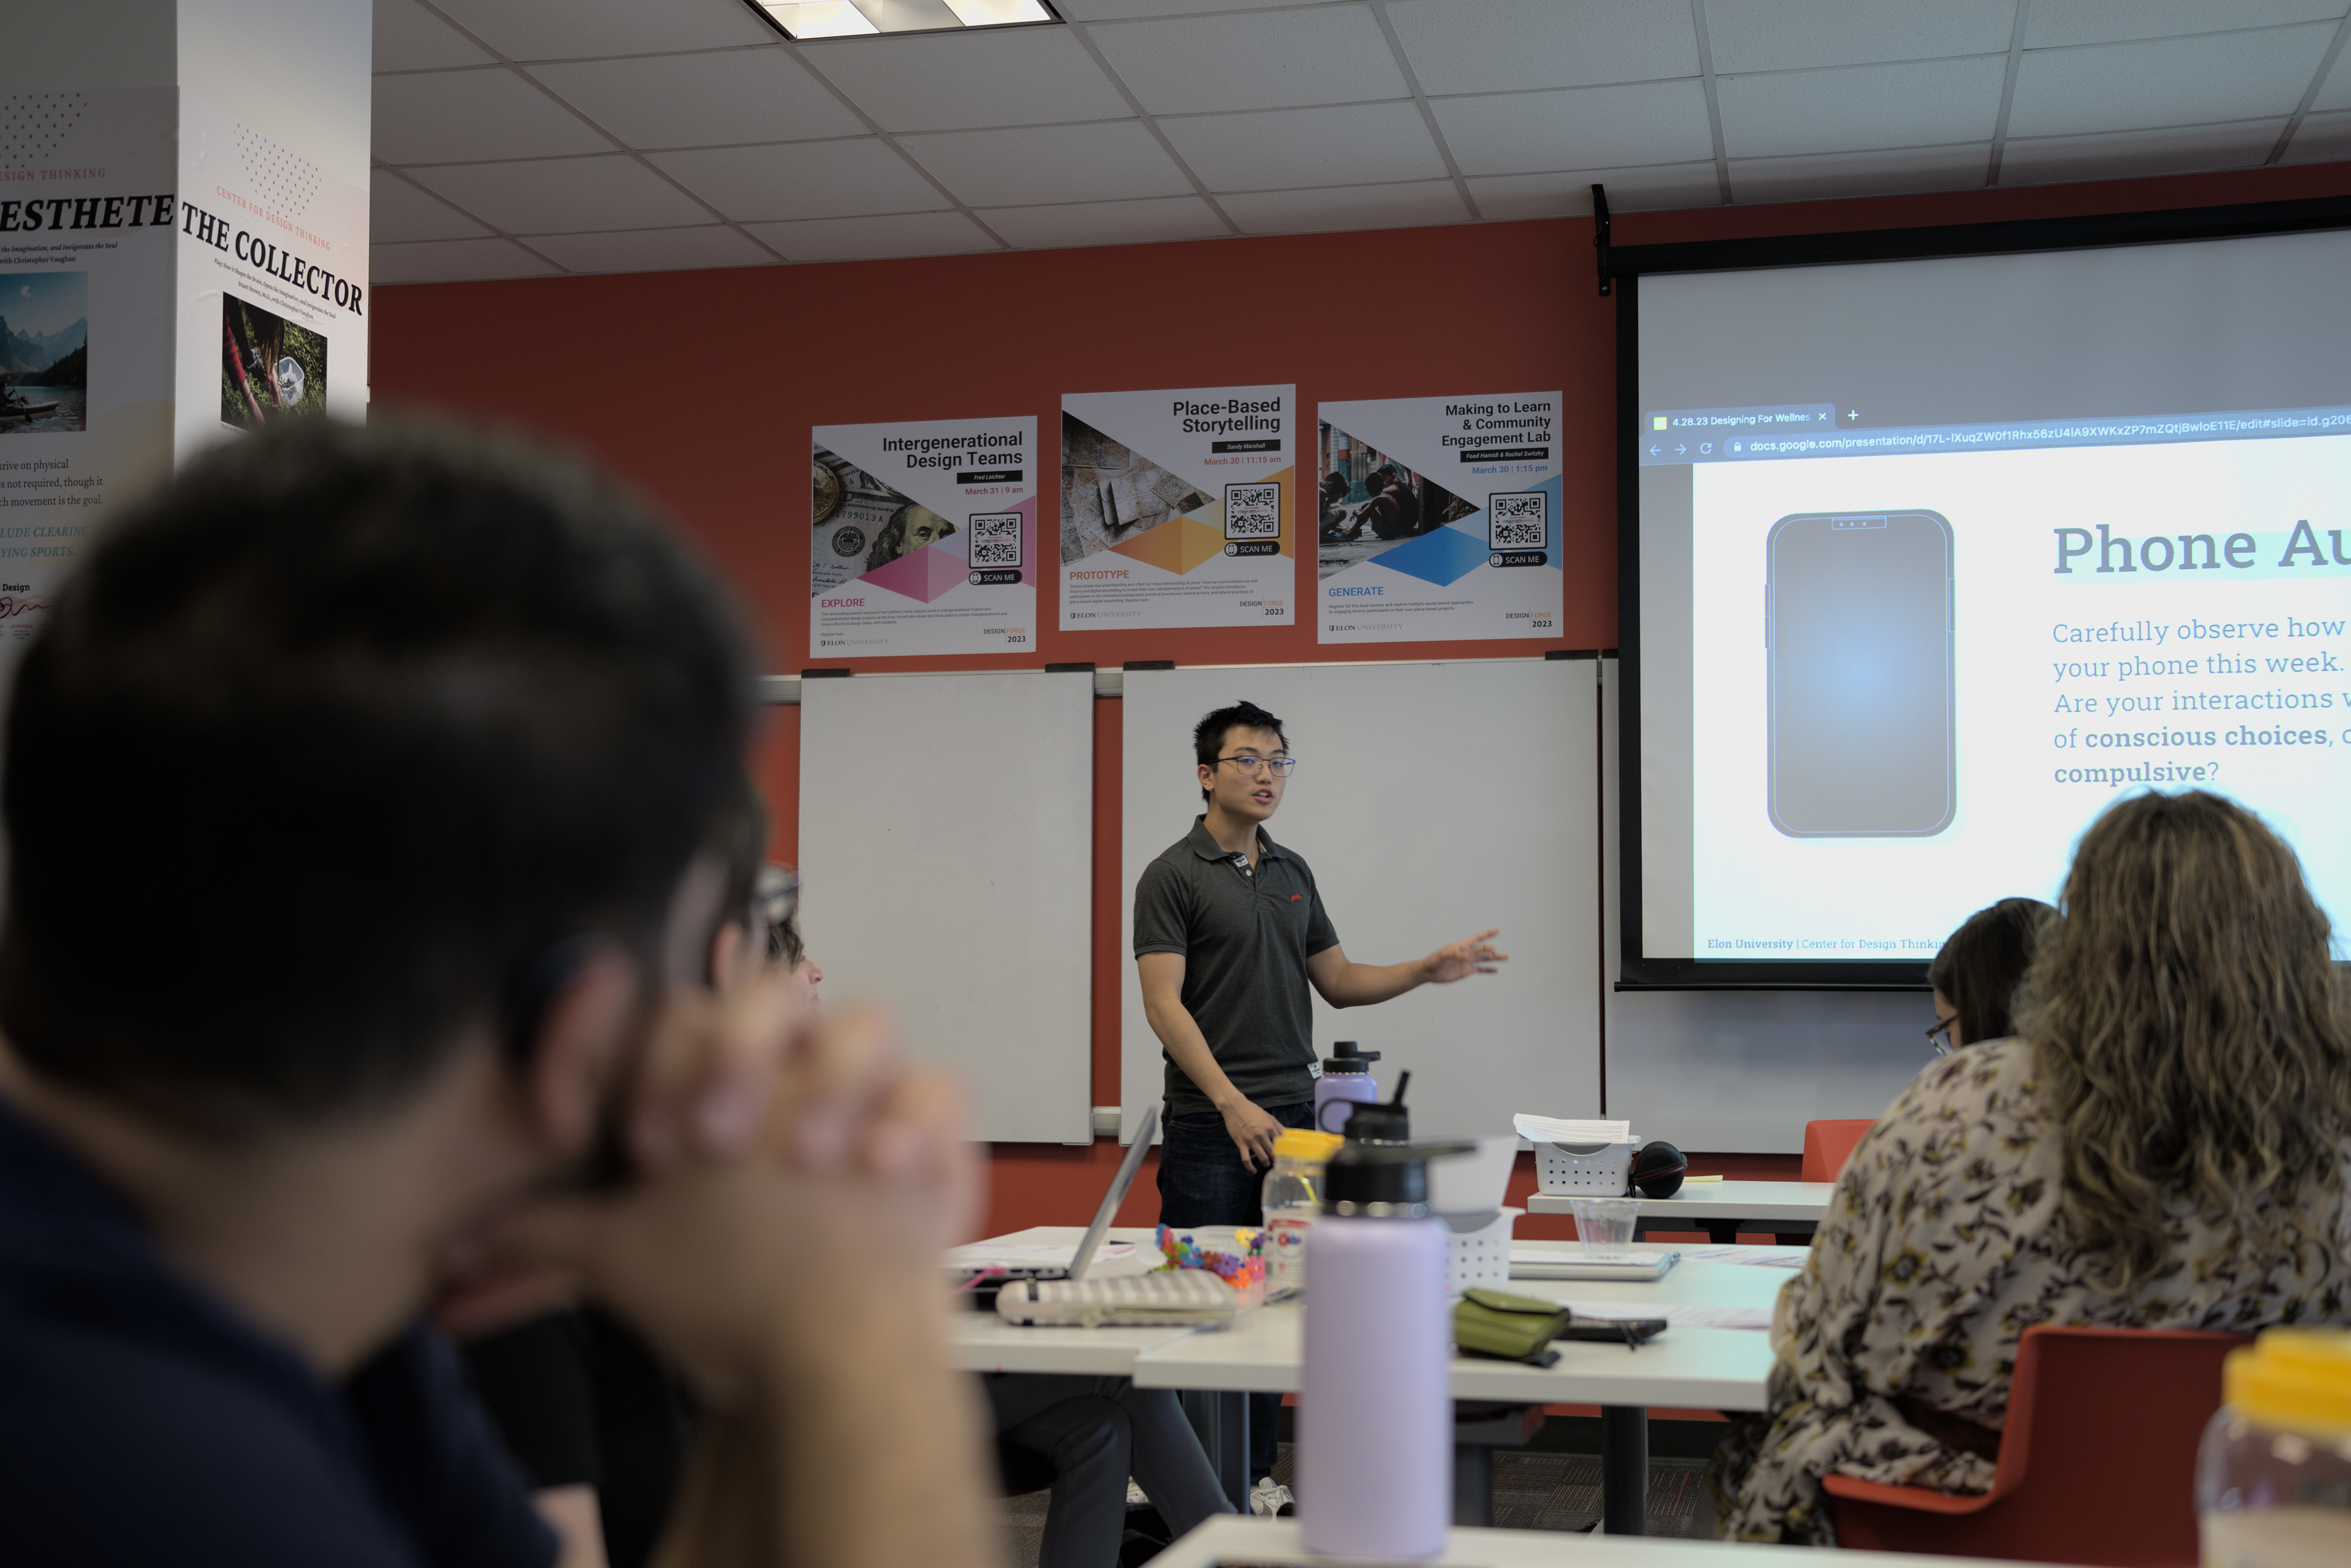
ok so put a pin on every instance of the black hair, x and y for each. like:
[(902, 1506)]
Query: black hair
[(1208, 734), (738, 842), (408, 712), (1983, 962)]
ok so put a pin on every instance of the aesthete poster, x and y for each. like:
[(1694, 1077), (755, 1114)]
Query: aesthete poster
[(1437, 518), (925, 539), (1178, 508)]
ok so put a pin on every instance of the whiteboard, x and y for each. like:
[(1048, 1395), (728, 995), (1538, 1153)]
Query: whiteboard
[(1431, 800), (1742, 1071), (946, 860)]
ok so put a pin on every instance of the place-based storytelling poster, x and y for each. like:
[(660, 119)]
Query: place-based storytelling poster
[(1178, 507), (87, 211), (1437, 518), (925, 538)]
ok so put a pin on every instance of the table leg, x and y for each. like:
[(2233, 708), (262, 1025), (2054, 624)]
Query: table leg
[(1721, 1232), (1473, 1485), (1624, 1469), (1221, 1419)]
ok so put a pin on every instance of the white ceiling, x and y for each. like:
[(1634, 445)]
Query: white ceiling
[(525, 138)]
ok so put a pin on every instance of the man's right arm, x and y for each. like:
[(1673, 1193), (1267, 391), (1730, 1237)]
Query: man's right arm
[(1251, 1127)]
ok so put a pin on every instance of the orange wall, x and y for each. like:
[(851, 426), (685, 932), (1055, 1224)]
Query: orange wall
[(700, 387)]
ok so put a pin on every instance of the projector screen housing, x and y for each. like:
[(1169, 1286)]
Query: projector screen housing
[(1933, 427)]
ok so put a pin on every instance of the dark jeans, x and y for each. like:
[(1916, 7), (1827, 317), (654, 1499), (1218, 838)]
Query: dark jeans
[(1202, 1181)]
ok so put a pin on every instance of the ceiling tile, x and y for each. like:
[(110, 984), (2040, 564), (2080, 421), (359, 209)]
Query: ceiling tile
[(2320, 138), (1833, 176), (564, 195), (653, 250), (452, 261), (2058, 21), (871, 239), (398, 211), (1579, 127), (582, 29), (703, 100), (1050, 163), (1020, 76), (2176, 82), (1502, 45), (1416, 205), (1856, 108), (448, 116), (1507, 198), (1197, 64), (803, 179), (1106, 223), (2122, 155), (2335, 91), (1355, 145), (1790, 35), (408, 37), (1126, 10)]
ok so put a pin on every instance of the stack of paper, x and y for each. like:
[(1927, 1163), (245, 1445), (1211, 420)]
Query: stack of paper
[(1561, 1130)]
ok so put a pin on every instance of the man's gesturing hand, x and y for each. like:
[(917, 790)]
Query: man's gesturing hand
[(1471, 955)]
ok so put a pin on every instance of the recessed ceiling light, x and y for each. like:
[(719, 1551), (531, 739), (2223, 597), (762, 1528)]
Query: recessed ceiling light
[(852, 18)]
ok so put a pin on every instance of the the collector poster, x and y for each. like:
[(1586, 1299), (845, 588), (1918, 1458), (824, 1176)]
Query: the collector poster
[(1178, 508), (925, 538), (1437, 518)]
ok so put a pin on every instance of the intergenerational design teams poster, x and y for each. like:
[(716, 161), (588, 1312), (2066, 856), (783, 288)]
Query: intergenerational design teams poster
[(1177, 508), (1437, 518), (925, 538)]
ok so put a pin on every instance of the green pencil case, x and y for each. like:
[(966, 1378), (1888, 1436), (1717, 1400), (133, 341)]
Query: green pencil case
[(1508, 1327)]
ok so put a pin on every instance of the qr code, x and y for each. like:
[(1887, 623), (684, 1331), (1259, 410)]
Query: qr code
[(1518, 520), (1253, 512), (995, 538)]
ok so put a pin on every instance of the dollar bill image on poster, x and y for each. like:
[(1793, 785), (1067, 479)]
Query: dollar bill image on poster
[(272, 291), (1178, 507), (1437, 518), (925, 538)]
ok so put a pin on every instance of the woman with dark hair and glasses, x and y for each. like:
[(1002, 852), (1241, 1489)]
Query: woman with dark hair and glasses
[(1977, 971)]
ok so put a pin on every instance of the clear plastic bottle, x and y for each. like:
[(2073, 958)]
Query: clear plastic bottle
[(1293, 1200), (2273, 1474)]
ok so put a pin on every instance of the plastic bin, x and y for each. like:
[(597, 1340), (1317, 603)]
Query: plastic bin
[(1480, 1251), (1585, 1170)]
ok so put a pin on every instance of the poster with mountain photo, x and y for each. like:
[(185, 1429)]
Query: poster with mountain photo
[(44, 351)]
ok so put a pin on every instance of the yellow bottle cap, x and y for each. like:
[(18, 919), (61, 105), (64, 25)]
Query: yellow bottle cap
[(2292, 1377), (1298, 1144)]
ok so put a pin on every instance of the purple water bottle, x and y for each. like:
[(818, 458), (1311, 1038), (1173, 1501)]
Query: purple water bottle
[(1346, 1082), (1375, 1407)]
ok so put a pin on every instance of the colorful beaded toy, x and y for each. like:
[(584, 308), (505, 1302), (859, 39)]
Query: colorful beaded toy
[(1239, 1271)]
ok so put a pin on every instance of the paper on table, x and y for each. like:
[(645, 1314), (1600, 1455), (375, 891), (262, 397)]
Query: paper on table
[(1684, 1315), (1027, 1254), (1558, 1129), (1752, 1257)]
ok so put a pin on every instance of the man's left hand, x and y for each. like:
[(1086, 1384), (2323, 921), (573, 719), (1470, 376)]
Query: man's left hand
[(1471, 955)]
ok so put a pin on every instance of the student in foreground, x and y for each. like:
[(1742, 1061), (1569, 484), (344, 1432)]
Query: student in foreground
[(435, 732), (2163, 1144)]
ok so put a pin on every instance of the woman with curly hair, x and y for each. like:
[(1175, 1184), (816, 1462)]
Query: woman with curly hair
[(2161, 1146)]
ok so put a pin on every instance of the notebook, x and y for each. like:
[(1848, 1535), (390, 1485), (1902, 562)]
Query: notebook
[(1567, 1262)]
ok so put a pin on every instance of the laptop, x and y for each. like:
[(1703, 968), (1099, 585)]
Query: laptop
[(984, 1293)]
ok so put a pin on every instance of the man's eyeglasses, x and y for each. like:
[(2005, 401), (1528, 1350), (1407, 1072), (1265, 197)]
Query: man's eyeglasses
[(1281, 765), (1938, 1034)]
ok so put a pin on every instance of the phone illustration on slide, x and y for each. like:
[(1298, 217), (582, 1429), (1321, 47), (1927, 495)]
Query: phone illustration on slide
[(1857, 631)]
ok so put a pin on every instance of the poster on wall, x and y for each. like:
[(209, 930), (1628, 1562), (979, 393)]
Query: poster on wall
[(925, 538), (87, 213), (272, 284), (1437, 518), (1178, 508)]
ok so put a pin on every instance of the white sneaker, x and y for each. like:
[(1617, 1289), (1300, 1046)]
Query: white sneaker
[(1268, 1499), (1135, 1498)]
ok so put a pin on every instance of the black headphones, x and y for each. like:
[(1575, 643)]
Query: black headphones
[(1658, 1169)]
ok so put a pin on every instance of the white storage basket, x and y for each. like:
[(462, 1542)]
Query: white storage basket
[(1585, 1170), (1481, 1256)]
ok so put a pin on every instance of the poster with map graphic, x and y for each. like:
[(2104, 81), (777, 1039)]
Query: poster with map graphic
[(1437, 518), (925, 538), (1178, 507)]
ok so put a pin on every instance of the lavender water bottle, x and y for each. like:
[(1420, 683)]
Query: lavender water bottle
[(1375, 1407), (1345, 1083)]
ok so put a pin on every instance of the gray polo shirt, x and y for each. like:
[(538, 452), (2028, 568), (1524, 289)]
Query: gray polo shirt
[(1245, 938)]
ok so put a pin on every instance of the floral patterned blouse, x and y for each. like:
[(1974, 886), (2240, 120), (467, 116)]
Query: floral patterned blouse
[(1943, 1243)]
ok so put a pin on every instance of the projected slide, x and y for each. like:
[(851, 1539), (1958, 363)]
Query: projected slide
[(1891, 667)]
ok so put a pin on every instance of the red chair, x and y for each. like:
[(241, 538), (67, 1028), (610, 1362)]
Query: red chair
[(2097, 1462), (1827, 1146)]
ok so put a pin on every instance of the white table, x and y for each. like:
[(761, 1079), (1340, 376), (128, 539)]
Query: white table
[(1723, 1209), (1229, 1538)]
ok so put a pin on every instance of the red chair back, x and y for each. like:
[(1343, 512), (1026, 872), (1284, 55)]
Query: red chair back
[(1827, 1146), (2097, 1463)]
